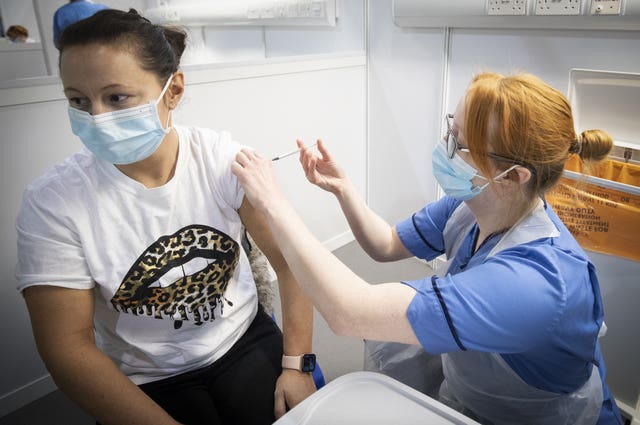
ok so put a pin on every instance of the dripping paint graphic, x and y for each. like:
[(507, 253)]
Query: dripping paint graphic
[(182, 276)]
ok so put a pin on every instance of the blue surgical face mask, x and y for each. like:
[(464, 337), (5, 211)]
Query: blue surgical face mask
[(454, 175), (121, 137)]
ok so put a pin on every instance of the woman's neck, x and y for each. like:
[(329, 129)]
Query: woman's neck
[(499, 214), (157, 169)]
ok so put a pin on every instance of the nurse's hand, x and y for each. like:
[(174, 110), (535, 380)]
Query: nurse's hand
[(256, 176), (322, 171)]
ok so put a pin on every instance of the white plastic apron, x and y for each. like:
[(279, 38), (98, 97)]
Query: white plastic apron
[(482, 385)]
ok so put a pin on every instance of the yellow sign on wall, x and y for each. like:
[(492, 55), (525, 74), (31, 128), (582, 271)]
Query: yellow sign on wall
[(601, 219)]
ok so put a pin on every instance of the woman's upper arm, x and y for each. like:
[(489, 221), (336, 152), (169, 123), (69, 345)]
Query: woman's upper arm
[(422, 233), (398, 250), (59, 313), (258, 228)]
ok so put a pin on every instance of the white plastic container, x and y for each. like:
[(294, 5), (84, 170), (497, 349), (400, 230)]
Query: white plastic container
[(372, 399)]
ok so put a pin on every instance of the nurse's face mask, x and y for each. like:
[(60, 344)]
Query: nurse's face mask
[(453, 173), (121, 137)]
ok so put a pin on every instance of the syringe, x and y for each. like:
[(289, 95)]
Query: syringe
[(284, 155)]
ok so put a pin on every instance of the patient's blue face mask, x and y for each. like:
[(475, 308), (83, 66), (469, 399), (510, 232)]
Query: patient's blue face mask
[(454, 174), (121, 137)]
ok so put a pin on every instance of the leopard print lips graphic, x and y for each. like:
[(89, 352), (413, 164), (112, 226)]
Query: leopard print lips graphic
[(194, 296)]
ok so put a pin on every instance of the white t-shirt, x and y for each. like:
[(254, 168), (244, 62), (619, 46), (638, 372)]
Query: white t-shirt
[(173, 287)]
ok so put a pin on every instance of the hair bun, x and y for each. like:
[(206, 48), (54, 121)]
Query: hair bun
[(594, 145)]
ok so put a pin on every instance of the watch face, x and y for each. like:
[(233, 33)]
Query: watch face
[(308, 362)]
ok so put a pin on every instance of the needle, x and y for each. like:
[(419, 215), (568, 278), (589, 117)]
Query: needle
[(284, 155)]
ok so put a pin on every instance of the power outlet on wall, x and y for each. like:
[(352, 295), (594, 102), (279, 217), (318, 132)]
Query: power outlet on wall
[(557, 7), (605, 7), (506, 7)]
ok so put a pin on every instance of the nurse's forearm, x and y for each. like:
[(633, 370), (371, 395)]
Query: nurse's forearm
[(373, 234), (350, 305)]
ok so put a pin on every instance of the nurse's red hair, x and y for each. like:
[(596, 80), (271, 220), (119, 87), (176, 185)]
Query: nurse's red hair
[(522, 118)]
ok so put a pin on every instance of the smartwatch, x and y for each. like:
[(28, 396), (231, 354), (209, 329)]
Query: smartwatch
[(303, 363)]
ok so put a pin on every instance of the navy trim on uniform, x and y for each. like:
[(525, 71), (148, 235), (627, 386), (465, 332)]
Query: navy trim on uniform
[(446, 313), (413, 220)]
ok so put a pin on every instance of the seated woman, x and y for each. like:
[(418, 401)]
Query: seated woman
[(141, 299)]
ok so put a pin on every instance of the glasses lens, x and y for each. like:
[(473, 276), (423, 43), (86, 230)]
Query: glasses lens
[(451, 140)]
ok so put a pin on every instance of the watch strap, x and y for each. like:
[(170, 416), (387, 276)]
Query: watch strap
[(292, 362), (303, 363)]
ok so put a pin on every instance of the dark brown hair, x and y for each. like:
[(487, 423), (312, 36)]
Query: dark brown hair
[(158, 48)]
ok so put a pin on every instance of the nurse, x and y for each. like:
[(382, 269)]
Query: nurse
[(517, 310), (142, 301)]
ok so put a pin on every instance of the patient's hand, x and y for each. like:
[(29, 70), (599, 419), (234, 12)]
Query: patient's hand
[(292, 387)]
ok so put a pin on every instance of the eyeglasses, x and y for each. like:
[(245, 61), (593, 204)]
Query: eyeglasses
[(452, 143), (453, 146)]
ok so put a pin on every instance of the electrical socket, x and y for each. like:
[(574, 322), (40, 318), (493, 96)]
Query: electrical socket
[(557, 7), (506, 7), (605, 7)]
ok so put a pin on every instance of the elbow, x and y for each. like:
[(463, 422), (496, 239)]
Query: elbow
[(61, 360), (58, 368), (55, 360), (381, 254), (379, 257), (341, 324), (349, 311), (337, 327)]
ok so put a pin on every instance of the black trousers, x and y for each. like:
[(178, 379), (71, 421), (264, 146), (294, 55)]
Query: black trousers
[(238, 389)]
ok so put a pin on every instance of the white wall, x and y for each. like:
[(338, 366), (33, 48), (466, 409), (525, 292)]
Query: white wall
[(19, 12), (207, 44), (21, 60), (29, 146), (220, 44), (313, 97), (405, 85), (409, 68)]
